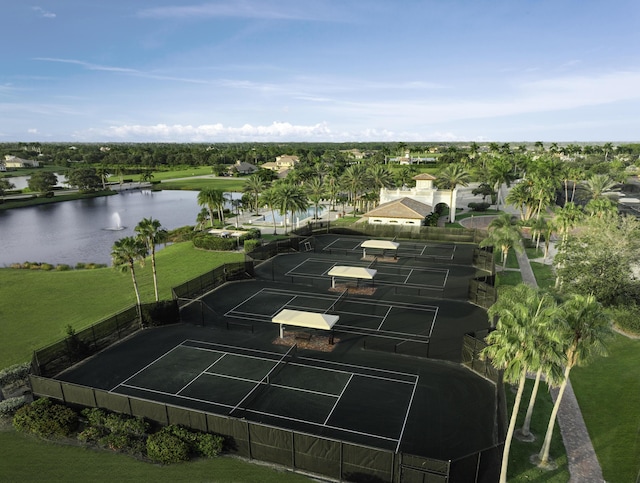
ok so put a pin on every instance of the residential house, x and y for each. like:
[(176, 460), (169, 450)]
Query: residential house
[(282, 164), (15, 162), (242, 167)]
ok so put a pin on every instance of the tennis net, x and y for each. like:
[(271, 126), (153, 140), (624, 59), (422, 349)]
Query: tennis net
[(335, 303), (265, 382)]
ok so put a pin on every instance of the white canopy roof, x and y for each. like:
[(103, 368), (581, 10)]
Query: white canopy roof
[(311, 320), (382, 244), (352, 272)]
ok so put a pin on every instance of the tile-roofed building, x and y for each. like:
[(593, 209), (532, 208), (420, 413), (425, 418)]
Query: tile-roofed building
[(403, 211)]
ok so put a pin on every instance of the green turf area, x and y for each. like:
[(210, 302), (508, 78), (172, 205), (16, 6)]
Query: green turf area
[(510, 277), (225, 184), (520, 469), (29, 459), (608, 390), (36, 306)]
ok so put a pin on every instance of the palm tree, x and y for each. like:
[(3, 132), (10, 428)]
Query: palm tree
[(585, 327), (316, 191), (254, 185), (449, 178), (500, 173), (213, 199), (290, 198), (525, 321), (354, 180), (124, 253), (504, 234), (599, 184), (379, 177), (601, 207), (104, 173), (5, 185), (150, 231), (269, 198)]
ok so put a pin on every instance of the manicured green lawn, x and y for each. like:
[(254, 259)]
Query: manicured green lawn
[(520, 469), (608, 390), (36, 307), (28, 459), (225, 184)]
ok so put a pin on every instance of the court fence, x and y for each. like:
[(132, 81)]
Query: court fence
[(64, 353), (431, 233), (206, 282), (302, 452)]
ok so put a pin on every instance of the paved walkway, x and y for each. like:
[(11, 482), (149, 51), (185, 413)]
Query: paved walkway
[(582, 460)]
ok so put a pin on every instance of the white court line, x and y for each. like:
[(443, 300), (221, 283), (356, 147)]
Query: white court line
[(188, 398), (406, 416), (433, 322), (355, 368), (308, 391), (304, 421), (216, 344), (337, 401), (147, 366), (201, 372), (385, 317), (406, 280)]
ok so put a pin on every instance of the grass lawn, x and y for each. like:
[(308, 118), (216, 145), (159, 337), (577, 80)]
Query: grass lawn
[(520, 469), (225, 184), (36, 306), (608, 390), (29, 459)]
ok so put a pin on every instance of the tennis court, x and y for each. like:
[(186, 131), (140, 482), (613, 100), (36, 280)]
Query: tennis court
[(387, 273), (357, 315), (406, 249), (297, 392)]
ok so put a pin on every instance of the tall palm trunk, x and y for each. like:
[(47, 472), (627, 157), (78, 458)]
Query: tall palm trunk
[(153, 269), (512, 427), (543, 456), (526, 426)]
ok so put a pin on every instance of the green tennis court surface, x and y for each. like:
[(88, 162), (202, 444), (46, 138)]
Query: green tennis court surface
[(293, 391)]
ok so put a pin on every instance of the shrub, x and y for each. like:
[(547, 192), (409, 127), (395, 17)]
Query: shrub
[(160, 313), (91, 434), (210, 242), (80, 265), (627, 318), (199, 444), (117, 423), (250, 245), (46, 266), (94, 416), (62, 267), (15, 373), (479, 206), (167, 448), (8, 407), (181, 234), (46, 419), (123, 442)]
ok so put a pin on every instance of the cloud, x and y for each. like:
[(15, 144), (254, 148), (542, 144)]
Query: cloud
[(251, 9), (88, 65), (32, 131), (43, 13)]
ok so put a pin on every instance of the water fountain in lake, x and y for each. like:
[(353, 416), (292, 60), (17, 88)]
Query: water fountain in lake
[(116, 223)]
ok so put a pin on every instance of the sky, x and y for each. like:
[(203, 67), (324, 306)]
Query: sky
[(320, 71)]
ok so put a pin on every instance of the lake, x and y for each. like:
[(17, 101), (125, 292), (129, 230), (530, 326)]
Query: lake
[(83, 230)]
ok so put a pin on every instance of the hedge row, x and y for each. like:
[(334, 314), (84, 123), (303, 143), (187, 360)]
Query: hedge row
[(122, 433), (15, 373)]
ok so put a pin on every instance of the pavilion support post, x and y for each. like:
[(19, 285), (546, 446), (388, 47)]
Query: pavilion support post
[(282, 331), (333, 282)]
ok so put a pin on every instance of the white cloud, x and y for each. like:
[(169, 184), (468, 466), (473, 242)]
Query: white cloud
[(32, 131), (43, 13), (253, 9)]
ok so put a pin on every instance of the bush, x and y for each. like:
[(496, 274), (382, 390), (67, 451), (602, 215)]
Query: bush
[(167, 448), (8, 407), (184, 233), (627, 318), (15, 373), (160, 313), (46, 267), (250, 245), (92, 434), (63, 267), (46, 419), (210, 242), (200, 444), (479, 206)]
